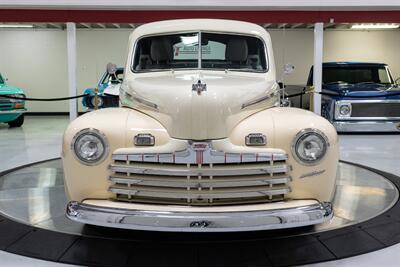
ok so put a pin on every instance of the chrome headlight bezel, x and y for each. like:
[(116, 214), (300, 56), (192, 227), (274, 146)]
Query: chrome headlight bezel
[(301, 135), (338, 106), (96, 133)]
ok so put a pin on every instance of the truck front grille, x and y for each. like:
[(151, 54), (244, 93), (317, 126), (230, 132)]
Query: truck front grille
[(376, 110), (167, 179)]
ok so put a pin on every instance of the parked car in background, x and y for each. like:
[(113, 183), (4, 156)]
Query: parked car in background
[(363, 97), (108, 94), (200, 142), (11, 110)]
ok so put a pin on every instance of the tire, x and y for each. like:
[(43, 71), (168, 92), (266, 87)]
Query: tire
[(17, 122)]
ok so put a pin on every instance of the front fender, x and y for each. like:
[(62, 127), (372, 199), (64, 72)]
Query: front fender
[(281, 125), (119, 125)]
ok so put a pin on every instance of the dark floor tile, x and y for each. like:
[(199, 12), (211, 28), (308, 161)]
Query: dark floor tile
[(156, 255), (11, 231), (296, 251), (351, 244), (98, 252), (336, 232), (241, 254), (43, 244), (381, 219), (388, 234)]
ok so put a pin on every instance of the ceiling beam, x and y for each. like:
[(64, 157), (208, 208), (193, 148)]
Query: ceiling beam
[(86, 25), (296, 25)]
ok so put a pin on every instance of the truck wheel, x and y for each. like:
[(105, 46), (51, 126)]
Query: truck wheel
[(17, 122)]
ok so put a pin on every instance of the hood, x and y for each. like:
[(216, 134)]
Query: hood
[(209, 114), (365, 89), (8, 90)]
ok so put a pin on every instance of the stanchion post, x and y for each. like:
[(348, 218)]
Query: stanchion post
[(71, 50), (317, 69)]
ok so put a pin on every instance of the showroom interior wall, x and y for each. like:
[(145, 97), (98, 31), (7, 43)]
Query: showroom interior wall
[(36, 60)]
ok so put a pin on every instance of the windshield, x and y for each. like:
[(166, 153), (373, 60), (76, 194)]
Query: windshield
[(218, 51), (356, 74), (1, 80), (114, 78)]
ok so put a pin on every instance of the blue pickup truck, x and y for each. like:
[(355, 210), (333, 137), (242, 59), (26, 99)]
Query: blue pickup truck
[(359, 97)]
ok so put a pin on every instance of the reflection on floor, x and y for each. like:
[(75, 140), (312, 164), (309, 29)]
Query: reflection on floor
[(35, 195), (40, 139)]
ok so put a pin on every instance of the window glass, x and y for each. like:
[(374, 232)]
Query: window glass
[(355, 74), (227, 51), (174, 51), (383, 75), (218, 51)]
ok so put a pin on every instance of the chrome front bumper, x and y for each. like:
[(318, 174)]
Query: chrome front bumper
[(182, 221), (13, 111), (367, 126)]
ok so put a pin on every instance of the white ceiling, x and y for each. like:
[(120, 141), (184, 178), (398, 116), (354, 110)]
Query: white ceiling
[(205, 4)]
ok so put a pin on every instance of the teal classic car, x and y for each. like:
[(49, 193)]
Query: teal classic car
[(11, 110)]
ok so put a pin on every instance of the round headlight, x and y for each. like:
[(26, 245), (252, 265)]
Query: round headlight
[(90, 146), (310, 146), (100, 101), (344, 110)]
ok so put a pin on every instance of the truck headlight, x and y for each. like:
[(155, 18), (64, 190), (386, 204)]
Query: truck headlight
[(310, 146), (343, 110), (90, 146)]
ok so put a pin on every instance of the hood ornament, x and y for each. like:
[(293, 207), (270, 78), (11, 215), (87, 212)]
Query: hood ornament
[(199, 87)]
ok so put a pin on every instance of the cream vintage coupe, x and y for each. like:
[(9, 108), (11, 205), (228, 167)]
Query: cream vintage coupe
[(200, 142)]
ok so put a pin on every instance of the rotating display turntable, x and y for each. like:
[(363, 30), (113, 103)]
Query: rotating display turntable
[(32, 223)]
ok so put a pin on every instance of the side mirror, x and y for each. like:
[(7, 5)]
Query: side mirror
[(397, 81), (111, 68)]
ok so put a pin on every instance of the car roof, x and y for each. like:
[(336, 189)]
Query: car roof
[(351, 63), (187, 25)]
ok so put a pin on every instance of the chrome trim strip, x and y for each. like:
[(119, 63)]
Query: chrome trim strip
[(367, 126), (14, 111), (261, 99), (199, 222), (193, 194), (216, 171), (184, 183), (200, 153)]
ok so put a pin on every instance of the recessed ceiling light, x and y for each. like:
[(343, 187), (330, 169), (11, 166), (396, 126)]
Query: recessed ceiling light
[(16, 26), (375, 26)]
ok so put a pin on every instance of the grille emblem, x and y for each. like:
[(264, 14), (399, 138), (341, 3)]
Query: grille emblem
[(199, 87)]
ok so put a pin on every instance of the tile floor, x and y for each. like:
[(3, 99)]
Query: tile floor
[(40, 139)]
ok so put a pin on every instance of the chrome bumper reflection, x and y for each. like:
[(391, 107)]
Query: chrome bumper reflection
[(14, 111), (199, 221), (367, 126)]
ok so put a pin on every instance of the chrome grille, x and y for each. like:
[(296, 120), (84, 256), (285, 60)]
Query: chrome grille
[(189, 178), (378, 109), (4, 100)]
